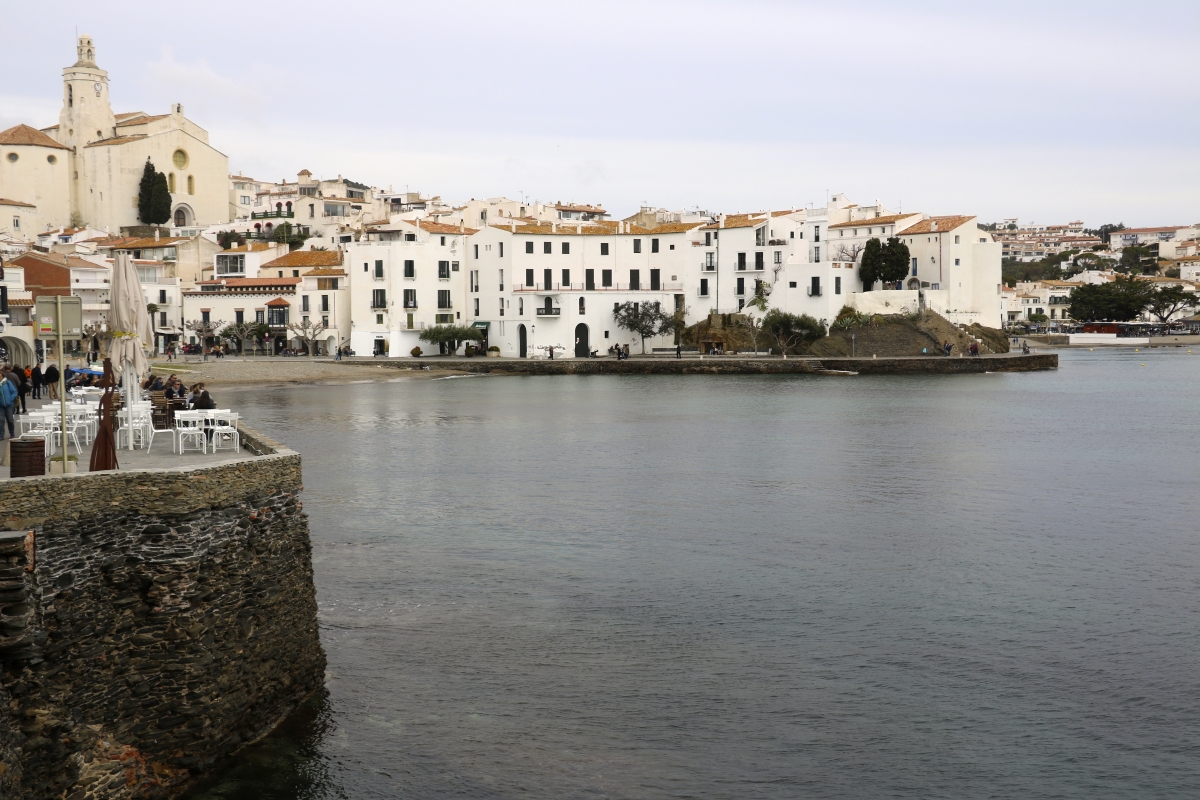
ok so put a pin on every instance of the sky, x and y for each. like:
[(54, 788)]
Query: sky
[(1046, 111)]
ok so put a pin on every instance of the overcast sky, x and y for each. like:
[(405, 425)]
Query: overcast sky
[(1040, 110)]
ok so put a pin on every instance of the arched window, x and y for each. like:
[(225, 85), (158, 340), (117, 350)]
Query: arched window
[(171, 182), (257, 227), (279, 206), (180, 218), (289, 206), (581, 306), (191, 184)]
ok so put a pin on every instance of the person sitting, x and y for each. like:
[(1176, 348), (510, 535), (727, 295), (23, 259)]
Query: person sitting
[(157, 384), (203, 401)]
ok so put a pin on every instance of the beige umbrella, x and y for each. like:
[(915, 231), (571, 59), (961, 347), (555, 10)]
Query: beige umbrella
[(129, 326)]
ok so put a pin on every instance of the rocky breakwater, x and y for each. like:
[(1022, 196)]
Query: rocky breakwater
[(151, 623)]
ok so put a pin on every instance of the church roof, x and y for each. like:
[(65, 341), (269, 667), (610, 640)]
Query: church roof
[(6, 202), (140, 120), (25, 135), (137, 137)]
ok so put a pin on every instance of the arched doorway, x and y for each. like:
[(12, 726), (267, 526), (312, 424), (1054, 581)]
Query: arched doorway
[(914, 283), (522, 342), (581, 341)]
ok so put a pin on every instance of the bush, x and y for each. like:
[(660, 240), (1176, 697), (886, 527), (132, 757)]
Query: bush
[(415, 352), (494, 349)]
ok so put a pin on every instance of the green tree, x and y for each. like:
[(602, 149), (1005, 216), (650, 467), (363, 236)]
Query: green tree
[(228, 239), (1169, 299), (1136, 259), (244, 332), (895, 265), (1117, 301), (790, 330), (870, 269), (160, 202), (645, 319), (449, 337), (146, 192), (289, 234), (1105, 231)]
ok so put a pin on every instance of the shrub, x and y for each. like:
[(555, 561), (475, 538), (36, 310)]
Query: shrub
[(415, 352), (494, 349)]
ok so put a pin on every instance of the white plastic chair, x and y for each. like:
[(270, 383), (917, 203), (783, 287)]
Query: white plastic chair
[(225, 432), (151, 430), (189, 428)]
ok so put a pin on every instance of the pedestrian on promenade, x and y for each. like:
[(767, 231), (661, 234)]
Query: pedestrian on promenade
[(678, 351), (8, 401), (36, 378), (626, 351), (25, 385), (50, 379)]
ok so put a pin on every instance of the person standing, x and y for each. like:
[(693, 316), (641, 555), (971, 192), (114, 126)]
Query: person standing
[(9, 393), (35, 377), (25, 386), (50, 379), (678, 352)]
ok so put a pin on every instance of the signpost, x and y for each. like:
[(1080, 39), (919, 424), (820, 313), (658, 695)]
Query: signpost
[(62, 318)]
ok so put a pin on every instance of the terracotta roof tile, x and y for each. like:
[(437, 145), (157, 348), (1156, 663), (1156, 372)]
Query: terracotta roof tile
[(133, 120), (6, 202), (20, 301), (863, 223), (944, 224), (25, 135), (249, 247), (325, 271), (118, 140), (277, 302), (738, 221), (584, 208), (307, 258), (440, 228)]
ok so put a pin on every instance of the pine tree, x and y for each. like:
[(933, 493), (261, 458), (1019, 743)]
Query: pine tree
[(160, 201), (146, 192)]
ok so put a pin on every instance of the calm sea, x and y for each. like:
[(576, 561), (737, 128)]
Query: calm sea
[(749, 587)]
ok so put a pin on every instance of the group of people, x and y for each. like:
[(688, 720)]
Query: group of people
[(621, 352), (196, 397), (16, 384)]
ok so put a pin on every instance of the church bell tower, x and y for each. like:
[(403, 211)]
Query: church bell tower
[(86, 117)]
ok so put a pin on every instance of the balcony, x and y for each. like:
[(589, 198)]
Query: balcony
[(814, 291), (554, 288), (409, 306), (379, 306), (549, 312), (701, 293), (272, 215)]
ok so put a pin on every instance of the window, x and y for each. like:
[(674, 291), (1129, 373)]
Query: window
[(444, 298), (604, 248), (529, 247), (260, 317), (239, 317), (16, 223), (162, 296), (817, 255), (443, 319), (454, 266), (589, 280), (231, 264), (566, 278), (606, 278), (410, 268), (778, 256), (304, 303), (246, 200), (502, 249), (162, 318), (324, 321), (760, 236), (171, 182), (477, 251), (327, 284), (366, 267), (529, 277), (204, 316), (814, 290), (180, 159), (277, 317), (443, 270), (520, 306), (914, 266), (547, 248), (295, 273), (655, 282), (956, 238), (637, 245), (502, 306), (635, 280), (502, 280), (443, 242), (410, 237), (710, 261), (547, 279), (801, 234), (582, 307), (325, 303), (708, 238), (566, 248), (704, 287), (410, 298), (654, 245), (191, 185), (758, 260), (837, 284), (741, 286), (791, 284), (379, 268), (741, 262), (477, 306), (379, 298), (957, 262), (817, 234)]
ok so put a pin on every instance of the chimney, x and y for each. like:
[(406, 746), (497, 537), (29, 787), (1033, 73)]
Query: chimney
[(933, 226), (462, 225), (721, 221), (156, 234), (554, 227)]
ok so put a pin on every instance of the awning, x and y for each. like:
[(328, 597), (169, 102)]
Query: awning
[(481, 325)]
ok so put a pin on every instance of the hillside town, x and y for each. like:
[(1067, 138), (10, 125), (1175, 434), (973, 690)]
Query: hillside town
[(333, 265)]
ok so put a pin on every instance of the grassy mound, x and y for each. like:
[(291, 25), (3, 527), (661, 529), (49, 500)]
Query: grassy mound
[(887, 335)]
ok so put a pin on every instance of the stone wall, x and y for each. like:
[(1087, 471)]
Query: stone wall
[(732, 365), (151, 623)]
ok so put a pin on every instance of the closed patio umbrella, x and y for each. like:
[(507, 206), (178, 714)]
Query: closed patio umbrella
[(129, 325)]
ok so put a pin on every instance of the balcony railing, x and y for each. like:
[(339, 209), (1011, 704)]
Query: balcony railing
[(378, 306), (643, 286), (814, 291), (413, 304), (549, 312), (272, 214)]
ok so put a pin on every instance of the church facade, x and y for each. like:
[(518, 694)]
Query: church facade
[(86, 170)]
